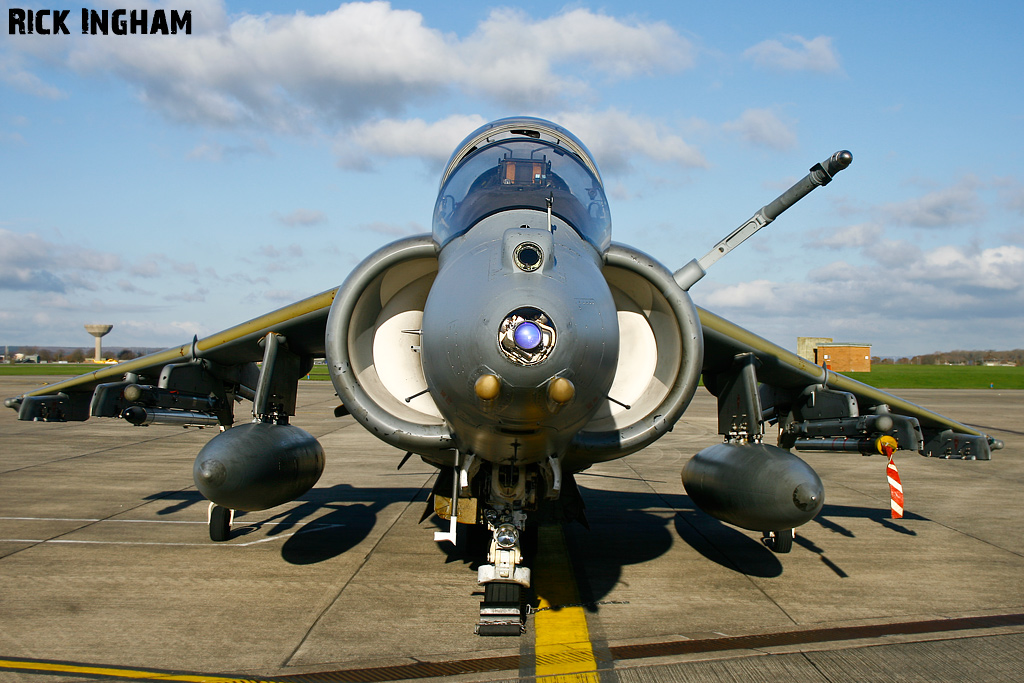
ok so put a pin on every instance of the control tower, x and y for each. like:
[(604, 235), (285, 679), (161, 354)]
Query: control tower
[(98, 331)]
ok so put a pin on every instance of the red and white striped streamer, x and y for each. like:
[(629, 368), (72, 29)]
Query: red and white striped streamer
[(895, 490)]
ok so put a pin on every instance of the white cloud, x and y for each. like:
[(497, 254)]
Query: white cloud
[(215, 151), (755, 294), (1011, 193), (917, 302), (393, 229), (853, 236), (762, 128), (294, 72), (517, 70), (617, 138), (953, 206), (13, 74), (360, 147), (30, 263), (148, 269), (997, 268), (163, 333), (272, 251), (796, 54), (303, 218), (282, 295)]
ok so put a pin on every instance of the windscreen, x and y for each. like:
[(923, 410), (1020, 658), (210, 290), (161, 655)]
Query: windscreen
[(522, 173)]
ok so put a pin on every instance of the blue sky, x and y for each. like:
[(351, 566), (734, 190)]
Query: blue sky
[(176, 185)]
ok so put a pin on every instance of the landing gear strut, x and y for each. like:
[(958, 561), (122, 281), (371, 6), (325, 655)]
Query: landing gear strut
[(501, 612)]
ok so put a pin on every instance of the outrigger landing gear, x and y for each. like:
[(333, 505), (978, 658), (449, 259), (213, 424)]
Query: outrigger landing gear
[(779, 541), (220, 522), (501, 612)]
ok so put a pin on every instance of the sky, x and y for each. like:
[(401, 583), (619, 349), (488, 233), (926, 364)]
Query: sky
[(175, 185)]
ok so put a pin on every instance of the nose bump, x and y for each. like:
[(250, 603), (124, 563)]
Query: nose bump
[(487, 387), (561, 390)]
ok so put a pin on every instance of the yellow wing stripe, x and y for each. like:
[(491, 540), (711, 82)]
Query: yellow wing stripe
[(313, 304), (749, 340)]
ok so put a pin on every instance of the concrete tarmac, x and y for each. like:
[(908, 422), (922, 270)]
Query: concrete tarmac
[(106, 570)]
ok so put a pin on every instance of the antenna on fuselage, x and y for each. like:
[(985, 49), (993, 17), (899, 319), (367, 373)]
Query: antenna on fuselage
[(550, 201)]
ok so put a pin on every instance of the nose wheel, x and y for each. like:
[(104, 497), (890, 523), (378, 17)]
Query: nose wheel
[(501, 612)]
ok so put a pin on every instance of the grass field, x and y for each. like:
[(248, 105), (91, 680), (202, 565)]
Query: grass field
[(47, 368), (941, 377), (881, 376)]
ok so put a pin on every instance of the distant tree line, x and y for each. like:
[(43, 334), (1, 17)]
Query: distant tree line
[(1015, 357), (57, 355)]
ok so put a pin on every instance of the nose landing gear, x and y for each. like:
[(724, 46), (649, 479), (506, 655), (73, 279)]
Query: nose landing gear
[(503, 578)]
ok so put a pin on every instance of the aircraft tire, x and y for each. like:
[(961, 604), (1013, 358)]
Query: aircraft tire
[(781, 542), (220, 523), (505, 593)]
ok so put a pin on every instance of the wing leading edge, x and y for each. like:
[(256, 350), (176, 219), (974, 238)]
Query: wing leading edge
[(820, 404), (222, 364)]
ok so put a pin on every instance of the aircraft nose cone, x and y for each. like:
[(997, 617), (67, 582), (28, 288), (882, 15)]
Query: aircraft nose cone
[(212, 472), (807, 496), (527, 336)]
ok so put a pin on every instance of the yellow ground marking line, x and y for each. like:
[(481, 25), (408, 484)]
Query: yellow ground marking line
[(113, 672), (562, 644)]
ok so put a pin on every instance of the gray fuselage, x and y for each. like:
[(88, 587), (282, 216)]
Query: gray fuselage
[(521, 274)]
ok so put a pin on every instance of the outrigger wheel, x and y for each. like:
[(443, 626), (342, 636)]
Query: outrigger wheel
[(779, 541), (220, 523)]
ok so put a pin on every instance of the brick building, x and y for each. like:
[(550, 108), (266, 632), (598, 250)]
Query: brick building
[(840, 357)]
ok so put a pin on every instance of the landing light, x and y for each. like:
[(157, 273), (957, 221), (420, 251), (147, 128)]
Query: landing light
[(527, 335), (506, 536)]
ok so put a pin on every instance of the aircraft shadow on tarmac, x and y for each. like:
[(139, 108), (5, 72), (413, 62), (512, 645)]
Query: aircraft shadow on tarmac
[(632, 528), (626, 528), (326, 522)]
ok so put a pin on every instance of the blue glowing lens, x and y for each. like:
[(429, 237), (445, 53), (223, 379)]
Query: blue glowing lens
[(527, 335)]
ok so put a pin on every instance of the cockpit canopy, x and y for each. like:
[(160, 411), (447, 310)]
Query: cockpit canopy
[(522, 163)]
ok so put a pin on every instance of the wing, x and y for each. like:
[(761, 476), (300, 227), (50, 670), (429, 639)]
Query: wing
[(195, 383), (818, 409)]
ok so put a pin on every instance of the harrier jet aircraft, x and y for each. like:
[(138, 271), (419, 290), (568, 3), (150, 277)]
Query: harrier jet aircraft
[(513, 347)]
